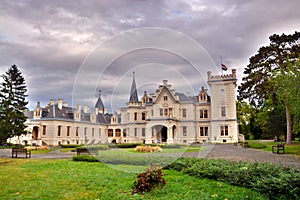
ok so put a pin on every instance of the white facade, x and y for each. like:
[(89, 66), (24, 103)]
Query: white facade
[(163, 117)]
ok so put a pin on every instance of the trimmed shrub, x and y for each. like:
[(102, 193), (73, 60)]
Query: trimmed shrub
[(70, 145), (125, 145), (148, 149), (148, 180), (85, 158), (276, 181)]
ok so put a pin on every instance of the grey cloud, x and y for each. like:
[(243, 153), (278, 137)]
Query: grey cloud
[(49, 40)]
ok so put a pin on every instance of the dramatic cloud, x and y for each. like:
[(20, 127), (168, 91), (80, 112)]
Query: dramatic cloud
[(50, 40)]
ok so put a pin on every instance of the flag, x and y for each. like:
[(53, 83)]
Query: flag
[(224, 67)]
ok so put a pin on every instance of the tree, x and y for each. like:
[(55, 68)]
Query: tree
[(270, 62), (13, 104)]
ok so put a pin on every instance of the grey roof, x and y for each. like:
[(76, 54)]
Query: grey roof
[(133, 92), (67, 113), (183, 98), (99, 104)]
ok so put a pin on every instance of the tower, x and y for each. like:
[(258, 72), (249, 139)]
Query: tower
[(223, 107), (99, 106), (133, 92)]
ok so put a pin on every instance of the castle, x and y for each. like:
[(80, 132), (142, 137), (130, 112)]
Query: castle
[(165, 116)]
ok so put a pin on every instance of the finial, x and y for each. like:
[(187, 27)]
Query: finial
[(100, 93)]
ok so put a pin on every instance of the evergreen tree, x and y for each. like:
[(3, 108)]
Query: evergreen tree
[(12, 104), (271, 61)]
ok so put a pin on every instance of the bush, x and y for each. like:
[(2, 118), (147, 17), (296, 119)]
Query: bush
[(147, 149), (148, 180), (94, 149), (85, 158), (276, 181), (125, 145), (70, 145)]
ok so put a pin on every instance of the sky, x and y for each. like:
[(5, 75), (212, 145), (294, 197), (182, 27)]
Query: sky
[(72, 49)]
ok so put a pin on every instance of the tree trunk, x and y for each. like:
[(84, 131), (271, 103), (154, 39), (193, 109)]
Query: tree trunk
[(288, 125)]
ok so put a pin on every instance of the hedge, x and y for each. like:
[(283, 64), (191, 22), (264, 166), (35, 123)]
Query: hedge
[(276, 181)]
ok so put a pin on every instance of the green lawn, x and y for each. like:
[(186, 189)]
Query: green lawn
[(293, 148), (66, 179)]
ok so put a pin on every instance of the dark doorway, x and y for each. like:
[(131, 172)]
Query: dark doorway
[(164, 134), (35, 133)]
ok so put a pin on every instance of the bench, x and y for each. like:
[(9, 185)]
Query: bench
[(16, 151), (278, 148)]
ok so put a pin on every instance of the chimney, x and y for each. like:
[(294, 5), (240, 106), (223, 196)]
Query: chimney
[(85, 109), (78, 107), (209, 75), (165, 82), (234, 73), (59, 104)]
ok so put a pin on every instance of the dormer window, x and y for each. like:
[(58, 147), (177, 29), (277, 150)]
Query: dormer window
[(165, 98)]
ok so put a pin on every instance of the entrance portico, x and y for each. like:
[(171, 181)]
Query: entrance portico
[(160, 133)]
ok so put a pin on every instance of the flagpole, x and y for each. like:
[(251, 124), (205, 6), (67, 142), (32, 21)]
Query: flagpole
[(221, 65)]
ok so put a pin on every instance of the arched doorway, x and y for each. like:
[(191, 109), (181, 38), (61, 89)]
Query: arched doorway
[(164, 134), (35, 133)]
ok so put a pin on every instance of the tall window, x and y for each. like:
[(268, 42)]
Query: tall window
[(143, 116), (93, 132), (77, 131), (204, 131), (152, 113), (110, 133), (224, 130), (68, 130), (135, 132), (59, 131), (161, 112), (124, 132), (118, 132), (143, 132), (184, 133), (203, 113), (183, 112), (99, 132), (85, 131), (135, 116), (44, 129), (166, 112), (223, 111)]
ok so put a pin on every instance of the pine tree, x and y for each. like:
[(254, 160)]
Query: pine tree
[(12, 104)]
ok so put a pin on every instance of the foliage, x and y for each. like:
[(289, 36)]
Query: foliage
[(70, 145), (12, 104), (288, 91), (276, 181), (148, 180), (271, 62), (148, 149), (124, 145), (85, 158), (94, 148)]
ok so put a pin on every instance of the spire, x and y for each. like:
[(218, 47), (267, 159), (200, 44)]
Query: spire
[(99, 105), (133, 93)]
